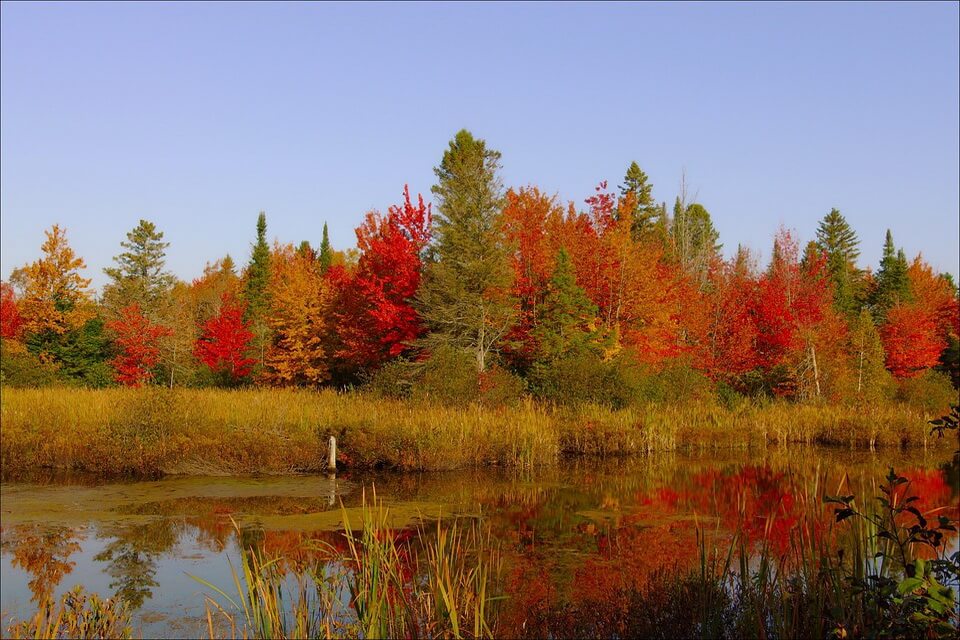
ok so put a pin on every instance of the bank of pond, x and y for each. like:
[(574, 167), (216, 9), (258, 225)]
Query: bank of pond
[(776, 542), (154, 431)]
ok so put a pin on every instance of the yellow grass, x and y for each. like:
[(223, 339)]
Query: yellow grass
[(155, 430)]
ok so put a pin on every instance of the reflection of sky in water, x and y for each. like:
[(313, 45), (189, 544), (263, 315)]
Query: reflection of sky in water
[(573, 531)]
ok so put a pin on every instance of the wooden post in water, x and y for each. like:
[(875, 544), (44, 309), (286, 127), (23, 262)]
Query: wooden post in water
[(332, 459)]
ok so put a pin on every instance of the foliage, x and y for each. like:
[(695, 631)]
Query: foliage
[(139, 277), (225, 341), (376, 320), (257, 288), (298, 320), (646, 212), (931, 391), (326, 251), (138, 346), (464, 298), (54, 296), (11, 322), (21, 368), (892, 285), (839, 242)]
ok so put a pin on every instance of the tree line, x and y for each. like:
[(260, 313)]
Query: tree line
[(497, 287)]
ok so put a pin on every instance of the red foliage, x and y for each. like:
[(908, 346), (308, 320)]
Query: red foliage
[(911, 340), (530, 221), (791, 299), (138, 341), (376, 320), (225, 341), (11, 322), (725, 335)]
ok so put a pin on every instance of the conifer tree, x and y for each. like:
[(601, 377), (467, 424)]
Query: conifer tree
[(326, 251), (567, 323), (646, 212), (257, 289), (140, 276), (839, 241), (892, 283), (464, 298)]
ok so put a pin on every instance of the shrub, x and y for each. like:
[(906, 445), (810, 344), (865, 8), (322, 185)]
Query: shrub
[(448, 376), (931, 392), (20, 368), (392, 380), (499, 387), (577, 380)]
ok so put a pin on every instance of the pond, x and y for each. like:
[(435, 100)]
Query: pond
[(567, 534)]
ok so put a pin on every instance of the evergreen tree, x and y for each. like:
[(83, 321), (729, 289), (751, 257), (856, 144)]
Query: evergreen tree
[(568, 317), (139, 277), (326, 251), (464, 297), (257, 289), (892, 283), (839, 241), (694, 238), (646, 212)]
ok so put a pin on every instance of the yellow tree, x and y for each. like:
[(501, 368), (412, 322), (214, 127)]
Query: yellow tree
[(55, 297), (299, 305)]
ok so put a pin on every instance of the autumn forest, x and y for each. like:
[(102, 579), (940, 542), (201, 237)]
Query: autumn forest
[(490, 294)]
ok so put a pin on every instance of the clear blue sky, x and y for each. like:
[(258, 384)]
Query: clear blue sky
[(198, 116)]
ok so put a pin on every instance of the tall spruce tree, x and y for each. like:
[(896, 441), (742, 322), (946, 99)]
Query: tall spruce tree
[(256, 289), (892, 284), (464, 298), (838, 240), (326, 251), (646, 212), (140, 276), (567, 321)]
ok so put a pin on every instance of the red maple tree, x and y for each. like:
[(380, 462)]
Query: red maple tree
[(11, 322), (225, 341), (138, 342), (911, 340), (376, 318)]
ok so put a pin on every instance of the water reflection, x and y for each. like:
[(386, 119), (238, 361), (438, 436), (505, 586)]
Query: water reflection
[(44, 553), (576, 541)]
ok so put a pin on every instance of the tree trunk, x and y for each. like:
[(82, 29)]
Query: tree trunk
[(816, 371)]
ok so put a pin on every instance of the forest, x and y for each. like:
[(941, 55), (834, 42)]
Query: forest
[(490, 294)]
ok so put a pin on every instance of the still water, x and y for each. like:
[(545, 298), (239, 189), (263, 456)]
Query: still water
[(567, 534)]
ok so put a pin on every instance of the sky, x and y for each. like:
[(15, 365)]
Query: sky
[(198, 116)]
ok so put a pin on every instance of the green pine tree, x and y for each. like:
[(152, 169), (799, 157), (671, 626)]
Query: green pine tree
[(464, 296), (140, 276), (892, 284), (646, 212), (81, 354), (839, 241), (326, 251), (565, 327), (256, 289)]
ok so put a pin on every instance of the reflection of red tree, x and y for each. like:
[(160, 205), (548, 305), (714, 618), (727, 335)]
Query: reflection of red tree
[(44, 553)]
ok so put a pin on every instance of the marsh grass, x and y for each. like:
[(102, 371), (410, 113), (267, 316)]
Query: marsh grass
[(436, 584), (155, 431), (75, 615)]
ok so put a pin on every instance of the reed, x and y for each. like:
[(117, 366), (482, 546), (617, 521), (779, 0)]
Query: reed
[(155, 431), (431, 586), (75, 615)]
